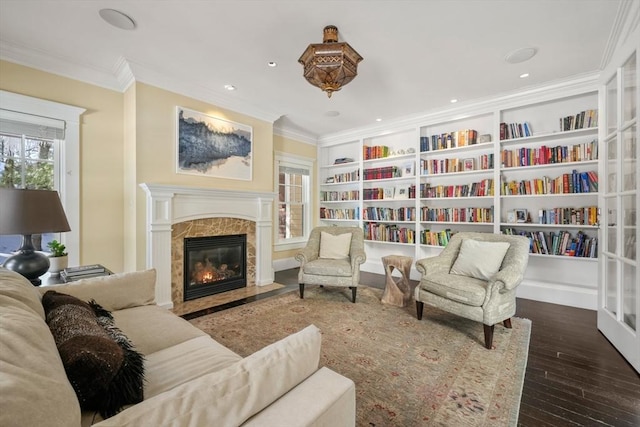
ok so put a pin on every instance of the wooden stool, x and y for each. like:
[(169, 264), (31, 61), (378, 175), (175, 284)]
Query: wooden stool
[(397, 293)]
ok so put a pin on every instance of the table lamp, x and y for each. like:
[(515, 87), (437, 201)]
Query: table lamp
[(29, 212)]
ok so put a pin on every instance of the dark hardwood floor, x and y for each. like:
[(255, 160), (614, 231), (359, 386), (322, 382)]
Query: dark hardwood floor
[(574, 376)]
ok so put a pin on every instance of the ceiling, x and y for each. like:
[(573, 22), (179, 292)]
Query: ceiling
[(418, 55)]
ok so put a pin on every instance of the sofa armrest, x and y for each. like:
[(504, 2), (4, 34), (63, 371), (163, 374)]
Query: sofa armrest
[(357, 258), (113, 292), (509, 277), (435, 264), (326, 398), (305, 255)]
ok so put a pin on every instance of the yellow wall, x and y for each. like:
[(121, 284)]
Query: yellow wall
[(101, 154), (290, 146), (127, 139), (155, 150)]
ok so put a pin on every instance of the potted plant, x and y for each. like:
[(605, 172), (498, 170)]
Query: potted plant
[(58, 259)]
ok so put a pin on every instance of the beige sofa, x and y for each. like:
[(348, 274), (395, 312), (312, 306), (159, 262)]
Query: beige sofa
[(191, 380)]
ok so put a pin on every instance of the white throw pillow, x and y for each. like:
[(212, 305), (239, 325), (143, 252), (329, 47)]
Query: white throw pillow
[(335, 247), (481, 260)]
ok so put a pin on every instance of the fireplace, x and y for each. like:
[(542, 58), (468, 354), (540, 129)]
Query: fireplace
[(214, 264)]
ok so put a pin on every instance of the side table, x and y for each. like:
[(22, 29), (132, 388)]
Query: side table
[(397, 293)]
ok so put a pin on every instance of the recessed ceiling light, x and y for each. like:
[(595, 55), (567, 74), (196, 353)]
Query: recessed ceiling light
[(520, 55), (229, 87), (524, 75), (117, 19), (453, 101), (272, 64), (332, 113), (378, 119)]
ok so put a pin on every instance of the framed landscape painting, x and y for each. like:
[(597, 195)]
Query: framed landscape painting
[(213, 147)]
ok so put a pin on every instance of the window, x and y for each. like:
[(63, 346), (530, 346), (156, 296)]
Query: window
[(293, 211), (39, 149), (27, 160)]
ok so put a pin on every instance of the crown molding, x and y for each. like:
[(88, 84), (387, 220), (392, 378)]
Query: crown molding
[(295, 135), (574, 85), (62, 66), (122, 75)]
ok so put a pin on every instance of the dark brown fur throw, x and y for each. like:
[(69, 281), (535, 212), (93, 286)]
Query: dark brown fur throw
[(101, 364)]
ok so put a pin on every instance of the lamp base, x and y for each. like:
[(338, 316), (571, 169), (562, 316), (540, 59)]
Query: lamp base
[(27, 262)]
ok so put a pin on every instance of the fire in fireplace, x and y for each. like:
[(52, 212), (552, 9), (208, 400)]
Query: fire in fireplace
[(214, 264)]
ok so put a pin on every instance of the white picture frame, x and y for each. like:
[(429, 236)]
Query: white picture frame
[(401, 192)]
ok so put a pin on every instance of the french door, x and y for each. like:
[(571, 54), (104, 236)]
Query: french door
[(619, 284)]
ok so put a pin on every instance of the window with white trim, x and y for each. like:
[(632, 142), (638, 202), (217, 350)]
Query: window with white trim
[(293, 211), (39, 149)]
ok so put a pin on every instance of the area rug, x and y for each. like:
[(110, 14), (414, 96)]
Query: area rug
[(408, 372)]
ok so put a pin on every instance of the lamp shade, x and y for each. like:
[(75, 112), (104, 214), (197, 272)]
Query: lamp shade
[(31, 212)]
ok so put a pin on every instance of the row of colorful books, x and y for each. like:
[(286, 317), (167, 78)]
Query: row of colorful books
[(335, 196), (71, 274), (375, 152), (559, 243), (328, 213), (447, 140), (382, 173), (549, 155), (515, 130), (568, 183), (436, 238), (388, 233), (475, 189), (587, 215), (389, 214), (345, 177), (437, 166), (581, 120), (456, 214)]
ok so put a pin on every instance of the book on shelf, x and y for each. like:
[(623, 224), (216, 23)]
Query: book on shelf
[(84, 269)]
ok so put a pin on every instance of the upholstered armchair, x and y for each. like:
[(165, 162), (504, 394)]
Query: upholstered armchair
[(475, 276), (331, 258)]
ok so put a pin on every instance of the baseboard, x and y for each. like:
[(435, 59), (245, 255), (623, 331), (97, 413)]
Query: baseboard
[(285, 264), (559, 293)]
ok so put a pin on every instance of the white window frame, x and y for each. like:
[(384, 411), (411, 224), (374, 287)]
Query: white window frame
[(69, 160), (287, 159)]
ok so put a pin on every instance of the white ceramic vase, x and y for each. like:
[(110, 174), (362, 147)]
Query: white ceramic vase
[(57, 264)]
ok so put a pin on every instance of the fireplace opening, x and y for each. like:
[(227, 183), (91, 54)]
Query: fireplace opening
[(214, 264)]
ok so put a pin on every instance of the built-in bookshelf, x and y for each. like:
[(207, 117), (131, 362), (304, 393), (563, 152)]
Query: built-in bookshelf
[(529, 169)]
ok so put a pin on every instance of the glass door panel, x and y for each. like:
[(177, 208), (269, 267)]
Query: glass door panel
[(611, 294), (629, 227), (629, 161), (630, 89), (630, 293), (611, 166), (612, 105)]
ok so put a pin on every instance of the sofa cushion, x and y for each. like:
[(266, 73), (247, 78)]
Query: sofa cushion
[(116, 291), (181, 363), (334, 246), (34, 388), (154, 328), (479, 259), (466, 290), (101, 366), (230, 396), (328, 267)]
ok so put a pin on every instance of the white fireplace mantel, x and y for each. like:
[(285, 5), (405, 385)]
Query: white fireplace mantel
[(170, 204)]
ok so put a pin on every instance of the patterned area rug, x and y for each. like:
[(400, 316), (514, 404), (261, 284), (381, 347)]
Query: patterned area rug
[(407, 372)]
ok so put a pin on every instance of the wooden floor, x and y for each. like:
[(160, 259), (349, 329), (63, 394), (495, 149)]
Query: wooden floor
[(574, 376)]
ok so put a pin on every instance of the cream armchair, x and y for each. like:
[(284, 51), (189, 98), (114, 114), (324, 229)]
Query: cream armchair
[(453, 282), (334, 261)]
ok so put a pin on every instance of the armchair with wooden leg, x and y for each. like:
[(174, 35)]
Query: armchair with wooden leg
[(332, 257), (475, 276)]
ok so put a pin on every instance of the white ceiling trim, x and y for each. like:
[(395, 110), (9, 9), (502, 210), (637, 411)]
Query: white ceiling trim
[(64, 67), (565, 87), (297, 136)]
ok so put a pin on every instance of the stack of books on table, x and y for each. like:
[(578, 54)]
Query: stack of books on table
[(71, 274)]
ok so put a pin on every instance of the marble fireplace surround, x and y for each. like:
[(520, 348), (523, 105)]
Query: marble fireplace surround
[(167, 205)]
